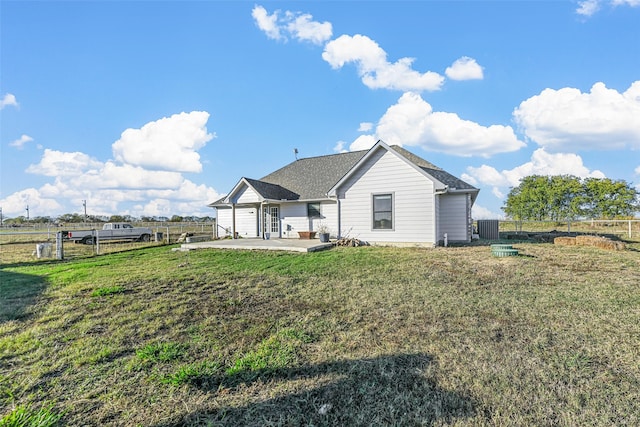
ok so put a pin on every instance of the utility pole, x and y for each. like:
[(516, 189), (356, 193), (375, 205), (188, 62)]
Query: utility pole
[(84, 205)]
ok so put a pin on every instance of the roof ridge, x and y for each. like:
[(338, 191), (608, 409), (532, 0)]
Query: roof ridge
[(414, 158), (334, 154)]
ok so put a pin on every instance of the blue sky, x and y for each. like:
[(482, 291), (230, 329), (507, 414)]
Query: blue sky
[(158, 108)]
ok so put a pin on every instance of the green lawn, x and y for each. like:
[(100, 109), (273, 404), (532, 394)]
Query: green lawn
[(349, 336)]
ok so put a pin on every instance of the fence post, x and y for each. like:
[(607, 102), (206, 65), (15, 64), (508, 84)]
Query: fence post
[(59, 246), (629, 229)]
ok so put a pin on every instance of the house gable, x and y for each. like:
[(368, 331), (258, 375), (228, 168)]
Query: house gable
[(381, 145), (383, 172)]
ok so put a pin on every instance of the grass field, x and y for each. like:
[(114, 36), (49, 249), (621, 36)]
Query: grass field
[(349, 336)]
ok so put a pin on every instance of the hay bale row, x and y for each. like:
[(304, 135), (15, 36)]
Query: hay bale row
[(595, 241), (564, 241)]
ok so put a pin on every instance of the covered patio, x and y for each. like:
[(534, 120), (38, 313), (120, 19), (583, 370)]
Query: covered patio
[(291, 245)]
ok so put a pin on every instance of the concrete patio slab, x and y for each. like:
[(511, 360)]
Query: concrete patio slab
[(291, 245)]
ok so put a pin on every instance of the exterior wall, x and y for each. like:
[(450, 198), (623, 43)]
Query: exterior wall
[(414, 219), (294, 218), (246, 221), (454, 217), (246, 195)]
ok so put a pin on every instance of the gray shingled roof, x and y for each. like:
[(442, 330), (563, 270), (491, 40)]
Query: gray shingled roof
[(272, 191), (438, 173), (313, 177)]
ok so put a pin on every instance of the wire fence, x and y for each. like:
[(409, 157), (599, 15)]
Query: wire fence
[(38, 242), (623, 229), (42, 241)]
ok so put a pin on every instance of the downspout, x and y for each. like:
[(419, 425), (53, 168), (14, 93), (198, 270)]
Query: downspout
[(339, 233)]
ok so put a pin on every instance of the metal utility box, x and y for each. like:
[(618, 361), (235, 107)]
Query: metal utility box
[(488, 229)]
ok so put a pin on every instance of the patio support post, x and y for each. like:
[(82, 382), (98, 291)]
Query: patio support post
[(233, 220)]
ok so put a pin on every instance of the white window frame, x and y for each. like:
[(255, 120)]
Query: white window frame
[(373, 211)]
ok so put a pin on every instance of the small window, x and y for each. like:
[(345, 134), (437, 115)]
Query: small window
[(383, 211), (313, 210)]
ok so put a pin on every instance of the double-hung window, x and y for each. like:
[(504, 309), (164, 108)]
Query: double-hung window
[(383, 211)]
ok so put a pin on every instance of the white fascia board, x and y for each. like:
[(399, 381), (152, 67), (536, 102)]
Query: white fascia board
[(237, 187), (381, 144)]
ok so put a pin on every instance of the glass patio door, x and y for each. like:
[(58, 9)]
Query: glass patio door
[(272, 221)]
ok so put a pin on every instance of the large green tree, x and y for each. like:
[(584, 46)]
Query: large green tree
[(605, 198), (562, 197), (541, 197)]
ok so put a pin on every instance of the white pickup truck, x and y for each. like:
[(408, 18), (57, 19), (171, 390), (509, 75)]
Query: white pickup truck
[(110, 231)]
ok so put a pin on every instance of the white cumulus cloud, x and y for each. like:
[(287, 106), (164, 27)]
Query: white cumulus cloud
[(374, 69), (340, 147), (541, 163), (588, 8), (8, 99), (169, 144), (480, 212), (20, 142), (115, 176), (267, 23), (465, 68), (602, 119), (148, 167), (363, 142), (300, 26), (304, 28), (64, 164), (365, 127), (16, 204), (412, 122)]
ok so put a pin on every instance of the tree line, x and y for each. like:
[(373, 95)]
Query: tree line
[(72, 218), (567, 197)]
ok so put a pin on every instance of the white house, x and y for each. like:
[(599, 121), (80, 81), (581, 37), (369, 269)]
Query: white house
[(384, 195)]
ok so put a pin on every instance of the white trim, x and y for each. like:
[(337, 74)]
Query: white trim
[(393, 212), (381, 144)]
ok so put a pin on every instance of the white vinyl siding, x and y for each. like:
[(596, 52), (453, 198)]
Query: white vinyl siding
[(247, 195), (454, 219), (294, 218), (246, 221), (413, 200)]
